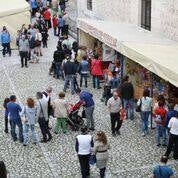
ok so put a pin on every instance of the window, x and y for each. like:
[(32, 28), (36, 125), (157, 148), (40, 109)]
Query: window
[(146, 14), (89, 5)]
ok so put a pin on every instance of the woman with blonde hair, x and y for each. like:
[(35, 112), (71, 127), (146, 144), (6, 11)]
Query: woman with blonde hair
[(29, 115), (100, 149)]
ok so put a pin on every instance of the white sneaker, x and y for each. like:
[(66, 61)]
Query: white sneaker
[(143, 134)]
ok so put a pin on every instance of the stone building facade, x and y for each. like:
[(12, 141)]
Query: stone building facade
[(164, 13)]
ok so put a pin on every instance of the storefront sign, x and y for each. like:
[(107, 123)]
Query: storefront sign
[(100, 35)]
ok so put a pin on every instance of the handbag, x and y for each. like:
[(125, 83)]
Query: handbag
[(92, 159), (37, 43), (122, 114), (138, 109), (24, 117)]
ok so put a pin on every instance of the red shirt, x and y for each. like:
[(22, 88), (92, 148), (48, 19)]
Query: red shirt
[(96, 67), (47, 15), (55, 21), (162, 112)]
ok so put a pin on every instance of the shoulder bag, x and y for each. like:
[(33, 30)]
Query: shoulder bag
[(138, 109)]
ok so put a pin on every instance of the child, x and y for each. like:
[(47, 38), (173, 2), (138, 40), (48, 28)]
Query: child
[(160, 120), (6, 101)]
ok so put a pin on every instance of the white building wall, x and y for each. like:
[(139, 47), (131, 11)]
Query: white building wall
[(164, 13), (165, 18)]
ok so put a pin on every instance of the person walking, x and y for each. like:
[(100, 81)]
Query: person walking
[(62, 4), (44, 33), (58, 57), (24, 49), (88, 103), (100, 149), (55, 24), (67, 42), (69, 71), (3, 170), (127, 96), (163, 170), (32, 56), (173, 137), (34, 7), (66, 23), (146, 103), (83, 145), (15, 119), (6, 101), (42, 117), (60, 26), (29, 113), (5, 41), (84, 71), (96, 71), (61, 107), (38, 40), (47, 17), (114, 105), (160, 121), (47, 97), (171, 113)]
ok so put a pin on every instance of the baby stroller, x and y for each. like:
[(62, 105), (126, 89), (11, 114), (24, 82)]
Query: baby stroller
[(75, 121)]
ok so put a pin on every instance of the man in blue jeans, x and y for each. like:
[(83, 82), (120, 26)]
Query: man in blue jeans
[(127, 96), (14, 110), (87, 99), (5, 42), (70, 72)]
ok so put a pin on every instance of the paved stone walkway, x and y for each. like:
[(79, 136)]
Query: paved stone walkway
[(131, 156)]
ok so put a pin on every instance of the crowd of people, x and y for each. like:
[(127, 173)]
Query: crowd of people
[(72, 63)]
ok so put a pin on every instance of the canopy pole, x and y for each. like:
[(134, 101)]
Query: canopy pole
[(152, 86)]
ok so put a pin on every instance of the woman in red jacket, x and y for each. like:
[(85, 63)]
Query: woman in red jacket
[(47, 17), (55, 24), (96, 71)]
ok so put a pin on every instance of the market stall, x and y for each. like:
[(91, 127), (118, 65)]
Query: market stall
[(154, 52)]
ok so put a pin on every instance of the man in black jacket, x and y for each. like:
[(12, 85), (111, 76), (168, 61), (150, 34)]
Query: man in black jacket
[(70, 72), (127, 95), (58, 58)]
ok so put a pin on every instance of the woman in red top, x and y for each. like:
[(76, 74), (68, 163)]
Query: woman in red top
[(55, 24), (96, 71), (47, 17)]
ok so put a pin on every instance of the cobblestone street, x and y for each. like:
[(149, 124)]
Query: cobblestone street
[(131, 156)]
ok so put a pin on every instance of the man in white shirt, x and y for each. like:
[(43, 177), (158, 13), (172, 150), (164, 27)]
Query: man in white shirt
[(83, 145), (47, 97), (42, 117), (173, 137), (114, 105)]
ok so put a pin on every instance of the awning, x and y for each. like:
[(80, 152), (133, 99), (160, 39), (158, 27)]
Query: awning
[(13, 14), (156, 53)]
